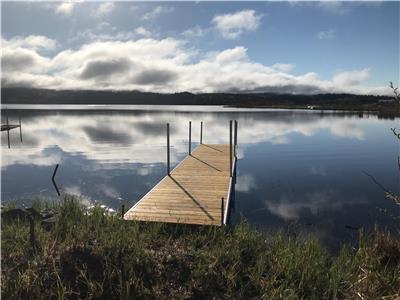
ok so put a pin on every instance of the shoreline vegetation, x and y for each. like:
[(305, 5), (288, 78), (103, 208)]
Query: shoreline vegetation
[(383, 106), (78, 253)]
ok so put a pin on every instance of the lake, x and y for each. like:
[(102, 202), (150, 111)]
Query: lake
[(299, 170)]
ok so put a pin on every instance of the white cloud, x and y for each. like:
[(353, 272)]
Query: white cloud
[(283, 67), (163, 65), (351, 78), (335, 7), (194, 32), (233, 25), (104, 9), (143, 32), (65, 8), (34, 42), (326, 35), (156, 12)]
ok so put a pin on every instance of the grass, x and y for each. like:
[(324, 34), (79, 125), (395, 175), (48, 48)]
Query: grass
[(95, 255)]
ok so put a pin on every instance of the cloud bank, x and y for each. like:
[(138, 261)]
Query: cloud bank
[(161, 65)]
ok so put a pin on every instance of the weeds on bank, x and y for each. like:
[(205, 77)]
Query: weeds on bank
[(91, 254)]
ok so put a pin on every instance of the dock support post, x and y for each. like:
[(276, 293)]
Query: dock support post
[(8, 131), (20, 129), (190, 137), (235, 139), (230, 147), (201, 132), (222, 211), (168, 160)]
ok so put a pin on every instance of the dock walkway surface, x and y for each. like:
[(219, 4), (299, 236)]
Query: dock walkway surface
[(192, 193)]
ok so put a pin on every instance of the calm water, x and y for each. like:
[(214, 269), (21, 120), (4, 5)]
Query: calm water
[(301, 169)]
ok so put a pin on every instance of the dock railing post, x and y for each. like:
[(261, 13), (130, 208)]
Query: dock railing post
[(201, 132), (235, 139), (20, 129), (222, 211), (190, 137), (230, 147), (8, 131), (168, 161)]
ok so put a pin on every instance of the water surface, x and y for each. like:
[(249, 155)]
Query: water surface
[(297, 168)]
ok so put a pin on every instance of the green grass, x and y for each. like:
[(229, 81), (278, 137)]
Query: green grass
[(100, 256)]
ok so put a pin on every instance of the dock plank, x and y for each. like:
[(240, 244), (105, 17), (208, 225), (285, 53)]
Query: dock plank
[(193, 191)]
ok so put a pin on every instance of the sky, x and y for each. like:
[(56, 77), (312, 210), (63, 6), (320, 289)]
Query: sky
[(284, 47)]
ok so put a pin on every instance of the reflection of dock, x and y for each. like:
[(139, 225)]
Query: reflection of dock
[(7, 127), (197, 191)]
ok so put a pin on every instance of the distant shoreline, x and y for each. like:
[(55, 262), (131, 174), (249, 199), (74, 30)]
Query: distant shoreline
[(381, 105)]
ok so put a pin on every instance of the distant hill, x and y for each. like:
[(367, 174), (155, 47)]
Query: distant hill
[(45, 96)]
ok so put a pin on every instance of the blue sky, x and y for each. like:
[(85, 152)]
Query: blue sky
[(294, 47)]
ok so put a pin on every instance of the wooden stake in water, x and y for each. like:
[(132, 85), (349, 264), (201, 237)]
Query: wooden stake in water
[(168, 160), (8, 131), (20, 129)]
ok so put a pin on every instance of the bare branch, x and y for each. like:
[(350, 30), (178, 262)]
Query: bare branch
[(390, 195)]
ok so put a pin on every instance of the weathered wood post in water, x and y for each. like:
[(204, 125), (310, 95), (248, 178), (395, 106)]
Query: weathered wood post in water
[(168, 161), (20, 129), (222, 211), (230, 147), (8, 130), (201, 132), (190, 137), (54, 182)]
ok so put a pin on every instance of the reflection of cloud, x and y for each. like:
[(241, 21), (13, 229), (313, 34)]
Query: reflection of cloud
[(279, 140), (348, 130), (318, 170), (108, 191), (245, 183), (292, 207), (145, 171), (76, 191), (140, 136)]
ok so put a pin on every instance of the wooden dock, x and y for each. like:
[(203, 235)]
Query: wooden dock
[(197, 191)]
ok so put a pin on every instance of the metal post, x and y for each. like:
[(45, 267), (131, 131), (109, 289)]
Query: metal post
[(230, 146), (190, 137), (8, 131), (201, 132), (222, 211), (235, 139), (168, 161), (20, 129)]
